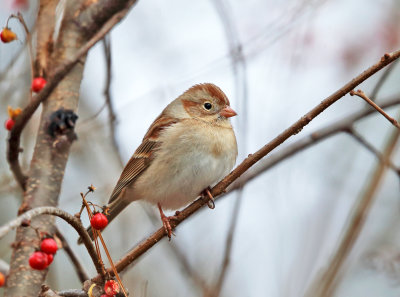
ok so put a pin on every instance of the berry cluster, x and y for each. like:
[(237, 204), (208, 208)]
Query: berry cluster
[(40, 260)]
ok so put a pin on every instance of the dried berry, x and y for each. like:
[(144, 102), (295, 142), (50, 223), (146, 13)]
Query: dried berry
[(62, 122), (111, 287), (99, 221)]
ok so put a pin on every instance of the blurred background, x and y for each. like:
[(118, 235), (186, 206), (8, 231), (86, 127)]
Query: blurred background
[(275, 60)]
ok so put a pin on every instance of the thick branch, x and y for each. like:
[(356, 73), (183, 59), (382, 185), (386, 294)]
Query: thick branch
[(218, 189)]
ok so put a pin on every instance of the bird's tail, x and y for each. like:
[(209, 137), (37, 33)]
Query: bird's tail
[(114, 208)]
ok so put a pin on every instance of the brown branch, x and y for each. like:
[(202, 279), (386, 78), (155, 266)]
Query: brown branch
[(218, 189), (80, 270), (70, 219), (362, 95), (327, 284), (314, 138), (55, 77)]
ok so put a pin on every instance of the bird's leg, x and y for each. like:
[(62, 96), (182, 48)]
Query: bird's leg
[(210, 199), (166, 221)]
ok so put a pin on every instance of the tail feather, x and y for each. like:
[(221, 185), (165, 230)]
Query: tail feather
[(114, 208)]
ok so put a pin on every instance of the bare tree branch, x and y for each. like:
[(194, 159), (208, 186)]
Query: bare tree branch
[(382, 80), (218, 189), (357, 136), (112, 118), (362, 95), (325, 284), (314, 138)]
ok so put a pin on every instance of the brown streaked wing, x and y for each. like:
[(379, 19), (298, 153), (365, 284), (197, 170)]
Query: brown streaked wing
[(142, 157), (140, 160)]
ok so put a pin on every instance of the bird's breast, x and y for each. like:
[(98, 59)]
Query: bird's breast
[(189, 159)]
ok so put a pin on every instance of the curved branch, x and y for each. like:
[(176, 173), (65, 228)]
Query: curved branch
[(218, 189), (54, 211)]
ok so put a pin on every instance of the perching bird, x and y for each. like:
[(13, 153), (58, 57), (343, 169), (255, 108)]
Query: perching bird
[(190, 146)]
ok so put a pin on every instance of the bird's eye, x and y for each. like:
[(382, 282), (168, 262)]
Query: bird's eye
[(207, 105)]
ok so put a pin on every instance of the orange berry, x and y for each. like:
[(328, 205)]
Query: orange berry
[(7, 35)]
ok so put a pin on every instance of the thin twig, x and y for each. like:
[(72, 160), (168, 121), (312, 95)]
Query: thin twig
[(112, 118), (228, 245), (218, 189), (362, 95), (48, 210), (80, 270), (382, 80), (357, 136), (55, 77), (28, 38), (327, 284)]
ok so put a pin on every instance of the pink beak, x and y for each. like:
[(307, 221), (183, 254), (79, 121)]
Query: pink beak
[(228, 112)]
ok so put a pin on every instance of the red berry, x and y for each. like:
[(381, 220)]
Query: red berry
[(2, 279), (38, 260), (111, 287), (99, 221), (48, 246), (50, 258), (7, 35), (38, 84), (9, 124)]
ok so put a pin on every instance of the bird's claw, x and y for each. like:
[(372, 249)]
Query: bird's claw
[(167, 225), (210, 199)]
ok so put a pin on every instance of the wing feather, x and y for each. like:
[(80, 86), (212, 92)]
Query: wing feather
[(142, 157)]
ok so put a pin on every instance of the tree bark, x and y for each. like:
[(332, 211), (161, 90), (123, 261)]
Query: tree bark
[(81, 21)]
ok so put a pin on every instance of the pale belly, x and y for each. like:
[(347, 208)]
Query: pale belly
[(182, 170)]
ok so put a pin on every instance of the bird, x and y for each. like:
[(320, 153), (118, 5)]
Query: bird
[(189, 147)]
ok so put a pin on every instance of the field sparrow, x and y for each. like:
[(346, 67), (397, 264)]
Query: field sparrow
[(189, 147)]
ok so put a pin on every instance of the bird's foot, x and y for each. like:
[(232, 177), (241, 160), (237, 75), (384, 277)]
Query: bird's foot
[(166, 222), (209, 198)]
